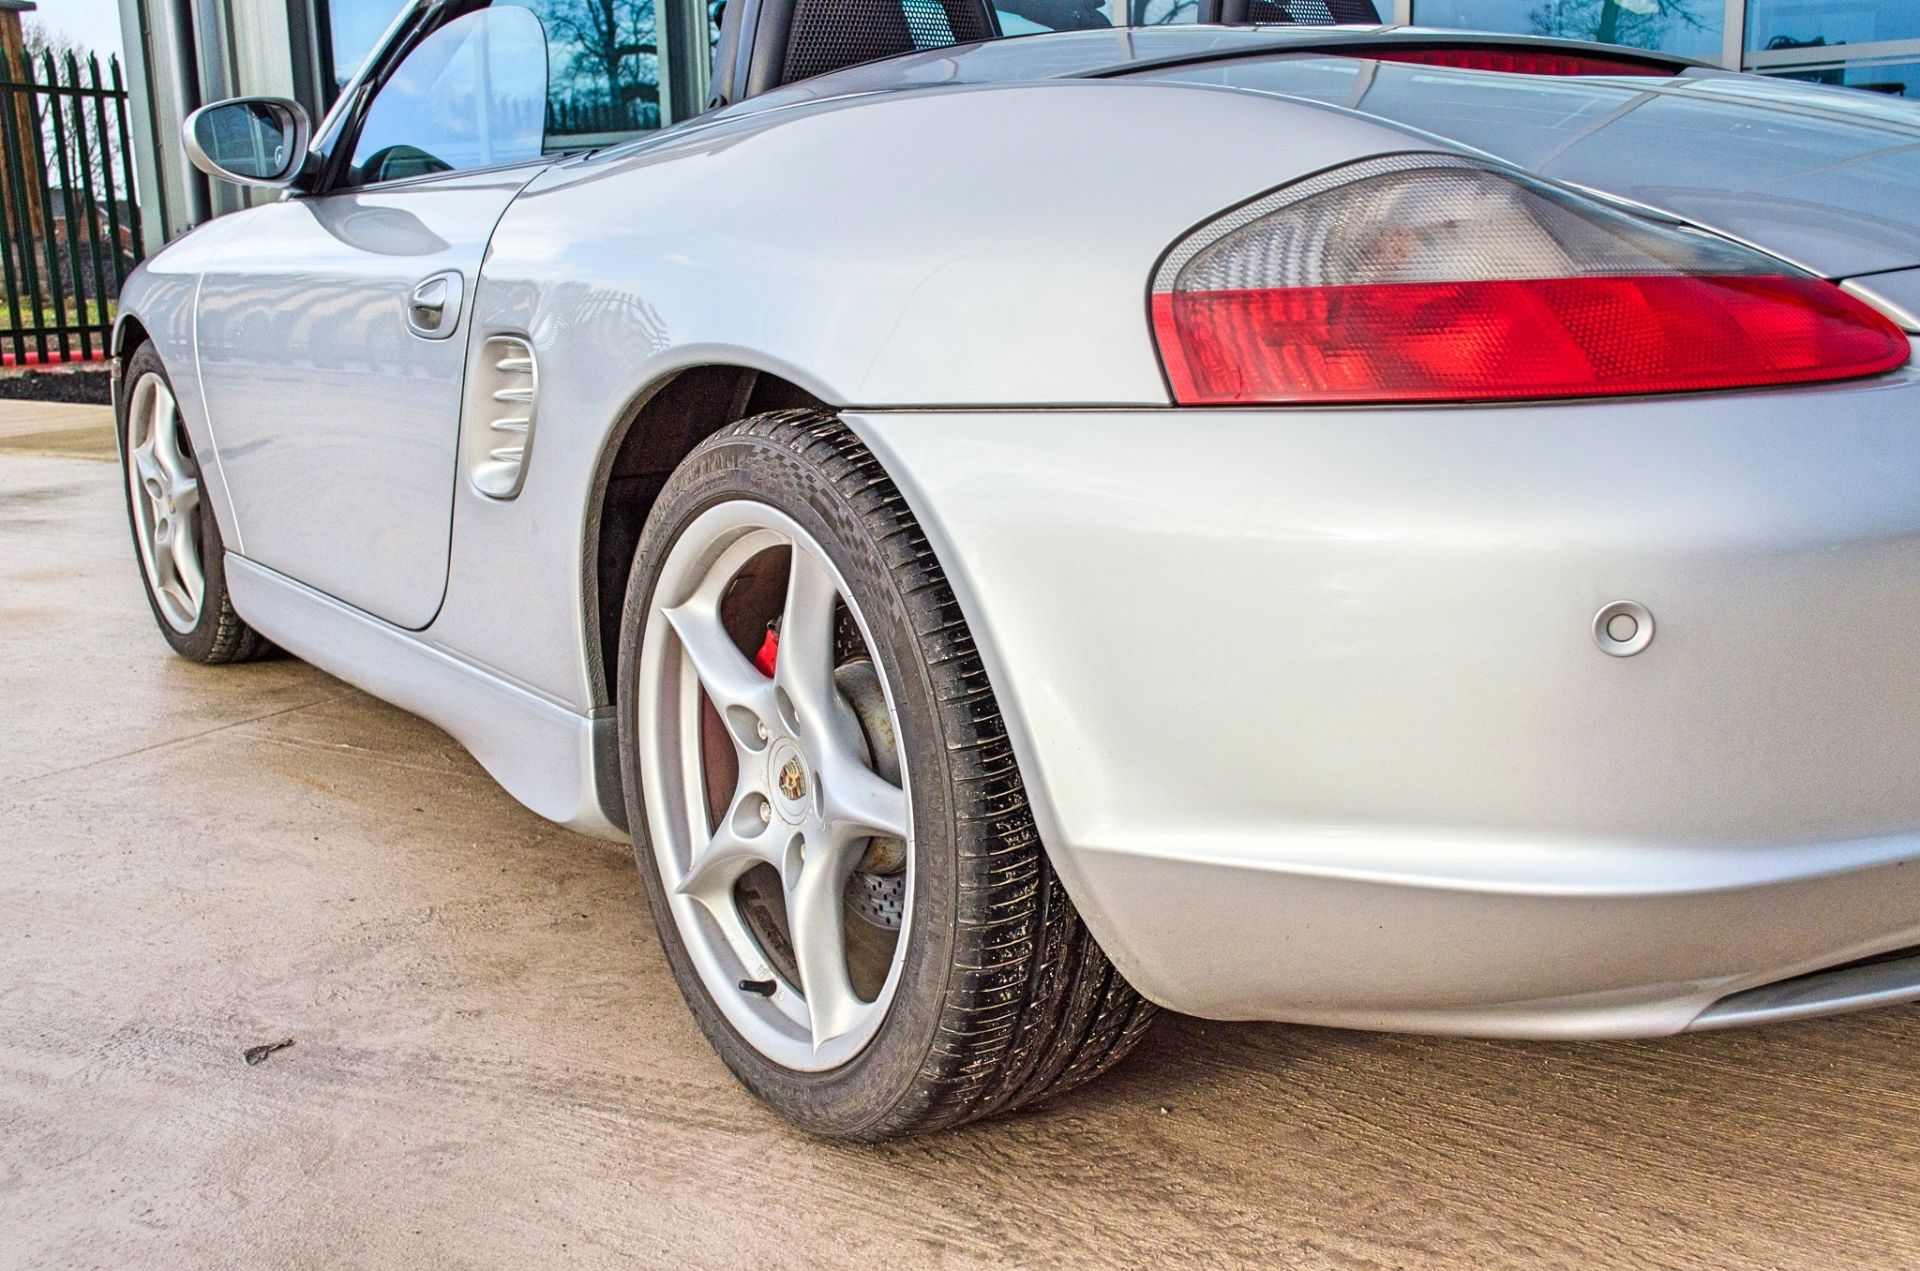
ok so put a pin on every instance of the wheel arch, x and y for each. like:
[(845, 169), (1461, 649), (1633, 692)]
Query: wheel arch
[(129, 333), (660, 426)]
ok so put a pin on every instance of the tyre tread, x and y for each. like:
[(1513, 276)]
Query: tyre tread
[(1033, 1006)]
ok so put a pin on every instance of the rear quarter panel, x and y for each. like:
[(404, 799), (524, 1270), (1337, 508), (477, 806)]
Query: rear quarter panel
[(973, 247)]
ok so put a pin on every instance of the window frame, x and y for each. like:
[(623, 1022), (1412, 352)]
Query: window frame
[(349, 140), (331, 153)]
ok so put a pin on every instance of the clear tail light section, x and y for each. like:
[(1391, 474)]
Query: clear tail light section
[(1428, 278)]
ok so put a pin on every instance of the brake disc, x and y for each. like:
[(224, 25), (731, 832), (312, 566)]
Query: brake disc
[(877, 889)]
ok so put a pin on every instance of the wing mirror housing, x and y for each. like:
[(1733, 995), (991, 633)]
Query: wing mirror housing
[(256, 141)]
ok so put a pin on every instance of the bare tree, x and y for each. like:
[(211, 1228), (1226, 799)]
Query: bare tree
[(614, 50), (39, 39), (1637, 23)]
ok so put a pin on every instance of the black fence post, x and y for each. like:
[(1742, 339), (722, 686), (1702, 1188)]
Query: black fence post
[(102, 139), (17, 117), (56, 285), (83, 159), (57, 125)]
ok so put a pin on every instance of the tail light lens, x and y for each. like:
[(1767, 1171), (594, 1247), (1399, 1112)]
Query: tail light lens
[(1423, 278)]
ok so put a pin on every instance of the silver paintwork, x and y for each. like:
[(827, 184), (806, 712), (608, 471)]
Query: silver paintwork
[(164, 495), (562, 764), (328, 408), (807, 803), (298, 122), (1879, 983), (1308, 701), (1393, 784), (1895, 294)]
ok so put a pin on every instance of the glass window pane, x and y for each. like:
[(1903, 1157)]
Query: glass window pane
[(352, 28), (604, 59), (1162, 12), (471, 95), (1689, 28), (1900, 79), (1801, 24), (1030, 17)]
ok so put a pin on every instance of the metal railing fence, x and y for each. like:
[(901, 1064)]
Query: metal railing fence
[(69, 221)]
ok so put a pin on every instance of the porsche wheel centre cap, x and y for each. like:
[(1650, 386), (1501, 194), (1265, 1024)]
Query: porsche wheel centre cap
[(791, 782)]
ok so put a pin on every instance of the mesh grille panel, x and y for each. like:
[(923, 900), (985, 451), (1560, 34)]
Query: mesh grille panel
[(1314, 12), (829, 35), (928, 24)]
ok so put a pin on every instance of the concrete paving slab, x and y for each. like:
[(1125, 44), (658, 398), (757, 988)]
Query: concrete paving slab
[(491, 1065), (50, 429), (17, 417)]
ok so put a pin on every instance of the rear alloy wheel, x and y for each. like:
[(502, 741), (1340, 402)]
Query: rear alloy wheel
[(182, 559), (781, 808), (833, 833)]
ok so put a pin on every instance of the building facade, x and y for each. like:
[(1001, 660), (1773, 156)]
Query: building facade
[(645, 63), (1873, 44), (639, 64)]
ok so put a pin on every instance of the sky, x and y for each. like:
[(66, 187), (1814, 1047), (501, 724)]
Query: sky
[(94, 24)]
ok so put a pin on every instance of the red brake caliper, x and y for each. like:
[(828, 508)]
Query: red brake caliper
[(769, 653)]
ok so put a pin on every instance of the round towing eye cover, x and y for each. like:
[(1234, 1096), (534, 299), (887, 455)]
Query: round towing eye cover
[(1623, 628)]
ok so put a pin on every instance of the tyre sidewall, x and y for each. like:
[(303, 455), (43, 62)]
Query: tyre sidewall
[(856, 1099), (197, 645)]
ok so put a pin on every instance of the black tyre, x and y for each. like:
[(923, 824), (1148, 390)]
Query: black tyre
[(757, 829), (175, 537)]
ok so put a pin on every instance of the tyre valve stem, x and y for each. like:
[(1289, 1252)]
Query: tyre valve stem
[(764, 988)]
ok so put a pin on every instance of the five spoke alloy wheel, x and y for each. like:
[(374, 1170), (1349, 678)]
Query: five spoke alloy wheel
[(164, 497), (175, 533), (828, 815), (780, 800)]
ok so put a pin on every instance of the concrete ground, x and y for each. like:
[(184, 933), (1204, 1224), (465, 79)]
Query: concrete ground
[(48, 428), (491, 1065)]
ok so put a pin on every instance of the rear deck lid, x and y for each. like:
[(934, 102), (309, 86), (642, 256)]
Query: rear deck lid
[(1828, 178)]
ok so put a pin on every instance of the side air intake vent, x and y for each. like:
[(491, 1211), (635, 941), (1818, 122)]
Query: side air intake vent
[(501, 408)]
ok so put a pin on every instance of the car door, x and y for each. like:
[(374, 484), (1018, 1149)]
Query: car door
[(332, 327)]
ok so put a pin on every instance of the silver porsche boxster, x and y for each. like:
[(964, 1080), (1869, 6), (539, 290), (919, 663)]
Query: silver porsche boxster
[(1373, 527)]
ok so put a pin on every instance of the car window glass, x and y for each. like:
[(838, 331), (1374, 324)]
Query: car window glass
[(604, 77), (351, 30), (1030, 17), (471, 95), (1690, 28)]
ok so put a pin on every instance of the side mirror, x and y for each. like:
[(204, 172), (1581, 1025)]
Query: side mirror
[(258, 141)]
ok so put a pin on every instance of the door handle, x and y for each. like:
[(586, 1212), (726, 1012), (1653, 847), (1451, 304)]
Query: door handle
[(433, 309)]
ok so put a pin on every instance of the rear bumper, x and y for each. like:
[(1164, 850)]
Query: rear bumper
[(1532, 938), (1316, 727)]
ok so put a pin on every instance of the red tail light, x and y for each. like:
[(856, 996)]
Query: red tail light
[(1522, 61), (1427, 279)]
